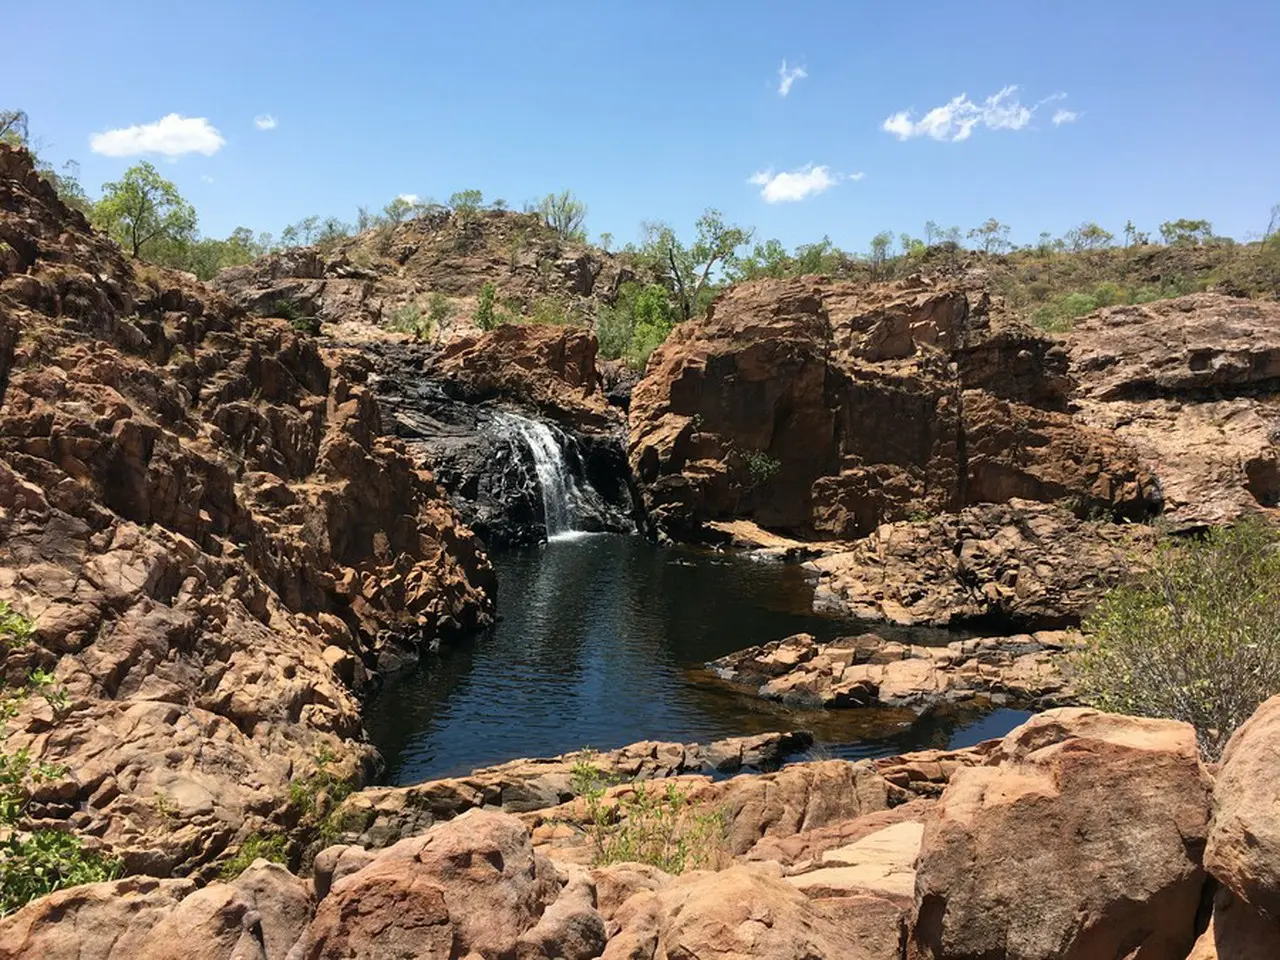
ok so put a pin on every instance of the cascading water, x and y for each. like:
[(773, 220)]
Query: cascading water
[(561, 498)]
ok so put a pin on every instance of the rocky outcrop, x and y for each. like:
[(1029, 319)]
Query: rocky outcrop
[(1193, 386), (216, 545), (365, 279), (377, 816), (828, 409), (1018, 565), (1081, 838), (1077, 837), (867, 671)]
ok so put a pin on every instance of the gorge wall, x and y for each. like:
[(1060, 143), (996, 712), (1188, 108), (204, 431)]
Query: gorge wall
[(217, 545)]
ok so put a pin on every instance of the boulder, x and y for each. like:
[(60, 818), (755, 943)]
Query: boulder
[(97, 921), (1244, 837), (1080, 840), (1237, 931), (473, 885), (746, 912)]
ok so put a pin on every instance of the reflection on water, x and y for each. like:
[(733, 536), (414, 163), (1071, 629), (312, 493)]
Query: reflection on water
[(600, 643)]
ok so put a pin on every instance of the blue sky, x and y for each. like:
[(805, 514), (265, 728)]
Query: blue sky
[(655, 111)]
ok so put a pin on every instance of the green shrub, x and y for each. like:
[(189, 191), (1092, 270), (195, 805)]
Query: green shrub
[(1108, 294), (760, 466), (409, 319), (550, 311), (15, 629), (638, 322), (653, 824), (34, 863), (439, 313), (486, 314), (257, 846), (1195, 639), (1076, 305)]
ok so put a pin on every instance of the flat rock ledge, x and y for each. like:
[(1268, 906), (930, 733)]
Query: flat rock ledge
[(869, 671), (379, 816)]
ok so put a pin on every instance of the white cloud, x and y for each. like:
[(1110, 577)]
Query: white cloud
[(205, 178), (265, 121), (171, 136), (792, 185), (787, 77), (957, 119), (1064, 116), (409, 197)]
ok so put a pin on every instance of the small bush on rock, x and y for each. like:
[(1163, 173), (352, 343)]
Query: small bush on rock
[(409, 319), (34, 863), (257, 846), (486, 314), (654, 824), (1196, 639)]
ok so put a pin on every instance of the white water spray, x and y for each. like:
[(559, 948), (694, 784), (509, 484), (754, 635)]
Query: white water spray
[(561, 498)]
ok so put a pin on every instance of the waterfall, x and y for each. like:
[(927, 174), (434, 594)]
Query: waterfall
[(561, 498)]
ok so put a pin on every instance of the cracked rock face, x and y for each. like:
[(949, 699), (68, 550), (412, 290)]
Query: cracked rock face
[(1193, 386), (216, 545), (830, 408)]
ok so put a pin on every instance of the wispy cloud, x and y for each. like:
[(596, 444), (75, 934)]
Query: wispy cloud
[(790, 186), (205, 178), (171, 136), (956, 120), (265, 121), (1065, 116), (409, 197), (787, 76)]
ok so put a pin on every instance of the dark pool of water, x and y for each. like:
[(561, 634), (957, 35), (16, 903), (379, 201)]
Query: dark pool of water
[(601, 642)]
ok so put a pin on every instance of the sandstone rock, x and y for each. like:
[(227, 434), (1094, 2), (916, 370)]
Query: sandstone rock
[(868, 671), (795, 799), (1021, 565), (569, 929), (99, 921), (473, 885), (379, 816), (1191, 385), (195, 506), (1081, 840), (802, 850), (830, 408), (214, 923), (1244, 837), (881, 864), (1237, 932), (283, 902), (743, 912)]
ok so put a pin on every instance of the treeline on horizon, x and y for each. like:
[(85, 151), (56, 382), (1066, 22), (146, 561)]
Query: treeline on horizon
[(148, 217)]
